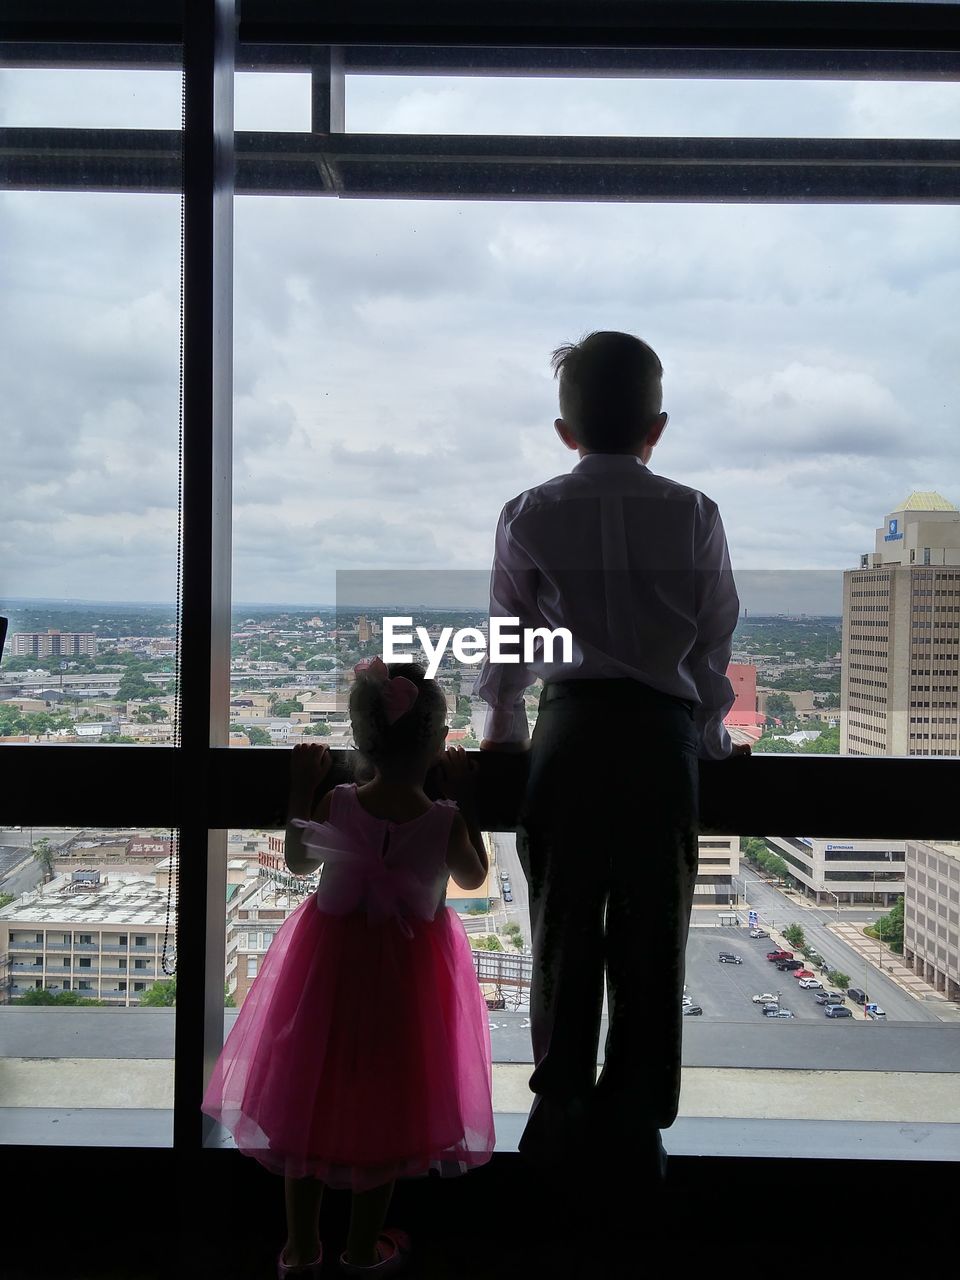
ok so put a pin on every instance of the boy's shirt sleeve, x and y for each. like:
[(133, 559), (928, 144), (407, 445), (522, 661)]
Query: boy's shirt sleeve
[(513, 594), (718, 608)]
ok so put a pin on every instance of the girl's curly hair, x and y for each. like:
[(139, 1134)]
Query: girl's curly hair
[(374, 738)]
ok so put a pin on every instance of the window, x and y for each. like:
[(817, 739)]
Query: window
[(251, 966), (517, 256)]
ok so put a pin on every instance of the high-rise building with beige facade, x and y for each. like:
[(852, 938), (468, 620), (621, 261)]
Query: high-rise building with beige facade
[(52, 644), (931, 914), (900, 668)]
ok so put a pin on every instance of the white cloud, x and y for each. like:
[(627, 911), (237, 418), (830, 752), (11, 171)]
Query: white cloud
[(392, 371)]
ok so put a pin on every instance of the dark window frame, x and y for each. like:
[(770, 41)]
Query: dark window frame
[(201, 787)]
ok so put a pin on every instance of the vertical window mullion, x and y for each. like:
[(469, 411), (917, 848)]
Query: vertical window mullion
[(209, 39)]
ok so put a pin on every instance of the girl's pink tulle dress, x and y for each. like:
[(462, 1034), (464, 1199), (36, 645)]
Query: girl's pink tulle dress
[(362, 1051)]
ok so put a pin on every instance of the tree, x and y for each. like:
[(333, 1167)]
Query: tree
[(889, 928), (134, 687), (837, 978), (259, 737), (286, 707), (5, 900), (43, 853), (54, 997), (779, 707), (318, 730), (828, 744), (161, 995), (775, 746), (459, 722), (794, 935), (486, 943)]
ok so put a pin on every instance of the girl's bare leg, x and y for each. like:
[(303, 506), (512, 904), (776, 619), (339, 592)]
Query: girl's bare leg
[(303, 1197), (368, 1211)]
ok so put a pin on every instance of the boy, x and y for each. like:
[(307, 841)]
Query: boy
[(636, 567)]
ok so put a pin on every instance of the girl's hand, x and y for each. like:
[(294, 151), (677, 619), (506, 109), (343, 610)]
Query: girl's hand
[(309, 764), (458, 774)]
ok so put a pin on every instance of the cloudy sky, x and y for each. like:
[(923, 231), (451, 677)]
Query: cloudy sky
[(392, 373)]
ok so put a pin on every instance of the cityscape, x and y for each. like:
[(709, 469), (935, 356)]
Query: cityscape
[(786, 927)]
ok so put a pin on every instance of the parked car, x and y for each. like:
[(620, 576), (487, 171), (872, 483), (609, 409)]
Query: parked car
[(829, 997), (811, 984), (803, 973), (771, 1010), (504, 875), (788, 966), (779, 955), (837, 1011), (857, 995), (814, 956), (766, 998), (506, 886), (727, 957), (692, 1011), (759, 933), (786, 1013), (507, 896), (874, 1011)]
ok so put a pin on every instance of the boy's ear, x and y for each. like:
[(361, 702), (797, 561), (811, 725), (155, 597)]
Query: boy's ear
[(657, 430), (565, 434)]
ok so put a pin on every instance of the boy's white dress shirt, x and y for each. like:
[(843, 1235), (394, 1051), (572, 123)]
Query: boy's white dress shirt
[(636, 567)]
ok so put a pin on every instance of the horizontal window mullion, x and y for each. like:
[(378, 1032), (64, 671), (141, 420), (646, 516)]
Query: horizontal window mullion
[(491, 167), (145, 786)]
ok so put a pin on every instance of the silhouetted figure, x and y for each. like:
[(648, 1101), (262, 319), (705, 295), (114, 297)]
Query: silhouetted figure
[(636, 567), (361, 1053)]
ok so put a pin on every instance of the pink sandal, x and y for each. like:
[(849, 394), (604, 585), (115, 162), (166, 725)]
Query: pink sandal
[(306, 1271), (393, 1249)]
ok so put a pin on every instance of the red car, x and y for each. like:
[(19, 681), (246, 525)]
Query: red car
[(779, 955), (803, 973)]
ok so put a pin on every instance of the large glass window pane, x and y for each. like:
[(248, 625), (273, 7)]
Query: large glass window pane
[(89, 373), (389, 400), (87, 985), (651, 107)]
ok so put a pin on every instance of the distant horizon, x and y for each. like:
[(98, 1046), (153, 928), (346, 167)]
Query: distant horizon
[(33, 601)]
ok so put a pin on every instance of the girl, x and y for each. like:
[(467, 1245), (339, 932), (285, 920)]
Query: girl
[(362, 1052)]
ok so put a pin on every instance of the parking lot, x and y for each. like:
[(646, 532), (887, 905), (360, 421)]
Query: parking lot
[(725, 991)]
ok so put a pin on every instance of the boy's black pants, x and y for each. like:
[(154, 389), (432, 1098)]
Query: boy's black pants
[(608, 843)]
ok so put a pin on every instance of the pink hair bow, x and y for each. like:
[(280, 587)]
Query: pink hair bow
[(398, 693)]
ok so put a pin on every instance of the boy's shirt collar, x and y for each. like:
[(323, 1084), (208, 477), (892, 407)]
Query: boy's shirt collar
[(609, 462)]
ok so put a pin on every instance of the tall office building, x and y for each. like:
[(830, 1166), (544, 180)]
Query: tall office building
[(52, 644), (901, 636)]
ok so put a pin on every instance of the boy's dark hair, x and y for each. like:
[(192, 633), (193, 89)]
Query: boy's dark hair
[(609, 389), (377, 740)]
